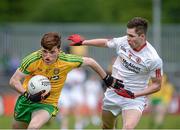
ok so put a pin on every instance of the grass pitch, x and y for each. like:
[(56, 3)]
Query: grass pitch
[(171, 122)]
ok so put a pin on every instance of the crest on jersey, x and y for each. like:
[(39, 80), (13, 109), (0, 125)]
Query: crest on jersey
[(138, 60), (123, 48), (130, 55), (56, 71)]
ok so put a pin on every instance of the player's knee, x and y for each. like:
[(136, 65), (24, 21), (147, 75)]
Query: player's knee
[(34, 126), (129, 126)]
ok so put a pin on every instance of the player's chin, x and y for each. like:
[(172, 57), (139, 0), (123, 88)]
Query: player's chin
[(48, 61), (132, 46)]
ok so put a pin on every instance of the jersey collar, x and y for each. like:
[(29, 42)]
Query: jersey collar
[(140, 48)]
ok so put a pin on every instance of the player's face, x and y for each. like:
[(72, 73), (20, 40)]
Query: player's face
[(50, 56), (134, 40)]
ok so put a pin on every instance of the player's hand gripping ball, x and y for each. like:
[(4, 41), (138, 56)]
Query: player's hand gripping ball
[(38, 83), (38, 88)]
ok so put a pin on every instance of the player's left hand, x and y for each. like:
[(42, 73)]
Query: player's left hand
[(111, 82), (76, 40), (124, 93)]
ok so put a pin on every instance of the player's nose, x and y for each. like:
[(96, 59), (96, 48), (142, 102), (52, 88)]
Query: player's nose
[(48, 55)]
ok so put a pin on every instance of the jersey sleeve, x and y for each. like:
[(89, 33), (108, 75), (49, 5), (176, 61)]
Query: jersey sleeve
[(156, 68), (116, 42), (112, 43), (73, 61), (28, 64)]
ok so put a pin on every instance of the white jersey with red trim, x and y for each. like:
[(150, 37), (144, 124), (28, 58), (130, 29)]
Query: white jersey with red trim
[(135, 68)]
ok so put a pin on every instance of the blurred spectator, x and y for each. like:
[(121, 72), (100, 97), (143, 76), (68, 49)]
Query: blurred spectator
[(94, 95), (72, 99), (1, 106), (160, 102), (9, 64), (65, 105), (13, 64), (5, 64)]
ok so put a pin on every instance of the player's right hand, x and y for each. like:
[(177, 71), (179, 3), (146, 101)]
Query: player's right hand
[(76, 40), (36, 97)]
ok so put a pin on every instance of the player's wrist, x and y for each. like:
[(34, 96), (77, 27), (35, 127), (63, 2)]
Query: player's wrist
[(108, 80), (83, 42)]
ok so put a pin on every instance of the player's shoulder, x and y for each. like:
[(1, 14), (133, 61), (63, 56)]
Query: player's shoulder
[(33, 56), (151, 52), (152, 55), (116, 42), (120, 39), (69, 57)]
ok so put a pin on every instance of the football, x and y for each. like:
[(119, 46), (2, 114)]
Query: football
[(38, 83)]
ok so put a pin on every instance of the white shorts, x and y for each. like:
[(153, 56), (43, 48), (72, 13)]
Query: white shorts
[(115, 103)]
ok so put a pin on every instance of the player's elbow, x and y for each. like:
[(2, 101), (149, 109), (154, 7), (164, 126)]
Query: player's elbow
[(89, 61), (11, 81)]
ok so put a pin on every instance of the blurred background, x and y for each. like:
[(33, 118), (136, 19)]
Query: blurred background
[(23, 22)]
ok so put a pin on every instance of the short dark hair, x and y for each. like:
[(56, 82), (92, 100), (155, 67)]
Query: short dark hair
[(51, 39), (140, 25)]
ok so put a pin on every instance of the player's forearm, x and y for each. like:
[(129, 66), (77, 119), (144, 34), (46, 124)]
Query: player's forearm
[(95, 66), (95, 42), (16, 84), (155, 87), (15, 81)]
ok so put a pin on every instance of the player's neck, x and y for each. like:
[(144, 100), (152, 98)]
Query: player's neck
[(140, 47)]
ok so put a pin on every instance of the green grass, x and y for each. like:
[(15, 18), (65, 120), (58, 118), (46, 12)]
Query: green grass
[(171, 122)]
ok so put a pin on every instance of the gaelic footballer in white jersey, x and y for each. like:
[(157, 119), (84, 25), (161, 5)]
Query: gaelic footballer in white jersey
[(134, 68)]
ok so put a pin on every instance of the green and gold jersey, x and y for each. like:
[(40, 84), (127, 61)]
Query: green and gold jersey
[(56, 72)]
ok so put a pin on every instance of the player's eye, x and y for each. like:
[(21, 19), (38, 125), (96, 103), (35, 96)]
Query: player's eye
[(129, 35), (52, 52), (44, 51)]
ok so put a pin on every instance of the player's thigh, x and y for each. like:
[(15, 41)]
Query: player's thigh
[(39, 118), (19, 125), (131, 118), (108, 120)]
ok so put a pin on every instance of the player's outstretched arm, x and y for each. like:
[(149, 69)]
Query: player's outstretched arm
[(87, 61), (77, 40), (108, 79), (110, 82)]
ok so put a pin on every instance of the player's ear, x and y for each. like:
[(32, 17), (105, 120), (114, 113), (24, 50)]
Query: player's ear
[(142, 35)]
